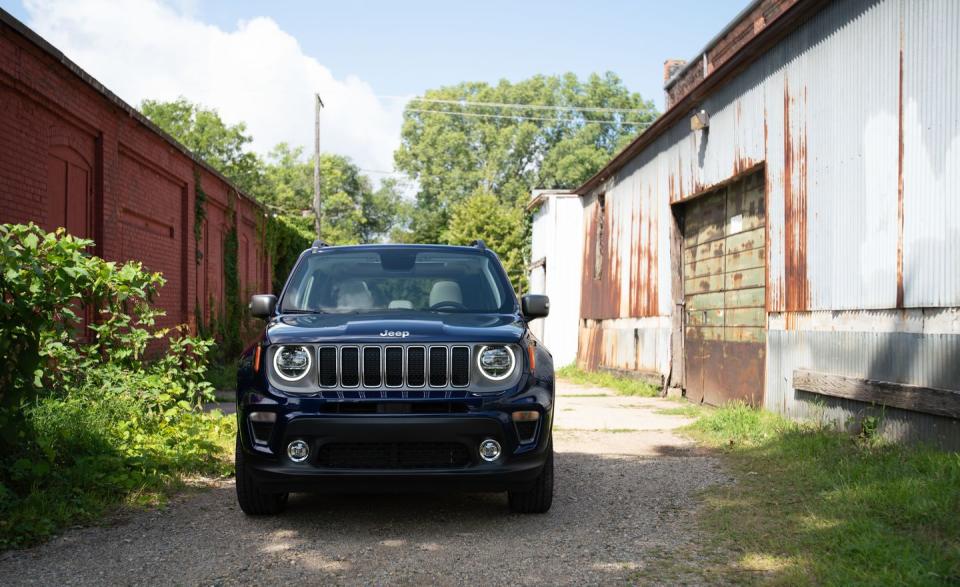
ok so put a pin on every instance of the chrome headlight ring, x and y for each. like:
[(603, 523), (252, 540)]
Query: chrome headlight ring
[(296, 358), (510, 354)]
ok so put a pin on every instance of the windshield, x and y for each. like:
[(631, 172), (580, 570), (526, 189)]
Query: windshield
[(398, 280)]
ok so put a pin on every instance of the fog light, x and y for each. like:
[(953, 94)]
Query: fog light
[(526, 416), (298, 451), (263, 417), (489, 450)]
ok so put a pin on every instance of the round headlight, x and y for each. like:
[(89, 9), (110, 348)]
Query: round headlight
[(496, 362), (291, 362)]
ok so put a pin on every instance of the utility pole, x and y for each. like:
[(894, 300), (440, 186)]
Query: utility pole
[(317, 214)]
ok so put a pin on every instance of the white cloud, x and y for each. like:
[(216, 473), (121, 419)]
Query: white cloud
[(256, 73)]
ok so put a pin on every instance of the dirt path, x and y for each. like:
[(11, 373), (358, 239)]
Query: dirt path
[(622, 512)]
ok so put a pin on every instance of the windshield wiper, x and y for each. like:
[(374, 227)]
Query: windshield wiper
[(301, 312)]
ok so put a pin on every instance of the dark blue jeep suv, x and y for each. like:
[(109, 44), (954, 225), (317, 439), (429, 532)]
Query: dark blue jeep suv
[(394, 368)]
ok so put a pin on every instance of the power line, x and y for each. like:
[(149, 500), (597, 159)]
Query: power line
[(521, 106), (517, 117), (382, 172)]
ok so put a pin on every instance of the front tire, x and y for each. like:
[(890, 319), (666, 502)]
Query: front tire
[(539, 498), (254, 501)]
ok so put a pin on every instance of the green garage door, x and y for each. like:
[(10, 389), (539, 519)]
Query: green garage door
[(724, 278)]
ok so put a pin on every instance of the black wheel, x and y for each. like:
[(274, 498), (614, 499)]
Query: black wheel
[(253, 501), (539, 498)]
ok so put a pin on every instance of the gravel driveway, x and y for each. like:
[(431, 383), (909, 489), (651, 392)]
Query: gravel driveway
[(623, 508)]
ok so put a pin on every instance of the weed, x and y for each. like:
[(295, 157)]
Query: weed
[(689, 410), (828, 508), (620, 384)]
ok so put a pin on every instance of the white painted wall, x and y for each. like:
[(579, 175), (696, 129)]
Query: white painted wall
[(558, 239)]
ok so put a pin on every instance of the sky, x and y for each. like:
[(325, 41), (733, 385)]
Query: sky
[(260, 62)]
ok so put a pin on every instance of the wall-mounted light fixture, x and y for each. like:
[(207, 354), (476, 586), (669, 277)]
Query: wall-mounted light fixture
[(700, 120)]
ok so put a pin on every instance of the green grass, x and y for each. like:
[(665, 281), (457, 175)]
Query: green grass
[(687, 409), (619, 384), (109, 452), (813, 506)]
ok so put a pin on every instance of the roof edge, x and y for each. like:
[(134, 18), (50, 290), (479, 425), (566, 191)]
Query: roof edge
[(750, 52), (34, 38)]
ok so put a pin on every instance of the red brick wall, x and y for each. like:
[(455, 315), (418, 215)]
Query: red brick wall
[(72, 156)]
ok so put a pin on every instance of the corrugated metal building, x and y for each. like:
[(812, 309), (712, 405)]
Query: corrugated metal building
[(811, 224), (555, 253)]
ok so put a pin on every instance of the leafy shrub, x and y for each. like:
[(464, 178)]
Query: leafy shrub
[(87, 420), (285, 240)]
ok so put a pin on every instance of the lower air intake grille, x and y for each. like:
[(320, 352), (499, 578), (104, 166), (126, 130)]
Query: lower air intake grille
[(393, 455)]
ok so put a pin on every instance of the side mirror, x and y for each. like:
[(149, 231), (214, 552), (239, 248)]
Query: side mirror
[(263, 305), (535, 306)]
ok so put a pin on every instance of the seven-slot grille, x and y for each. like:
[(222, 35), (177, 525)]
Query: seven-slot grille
[(380, 366)]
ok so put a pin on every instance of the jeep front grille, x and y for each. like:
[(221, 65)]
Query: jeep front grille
[(393, 366)]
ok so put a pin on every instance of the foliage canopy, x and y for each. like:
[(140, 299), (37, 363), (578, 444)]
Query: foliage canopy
[(508, 152)]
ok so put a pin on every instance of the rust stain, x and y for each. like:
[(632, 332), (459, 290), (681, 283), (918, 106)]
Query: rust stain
[(643, 266), (900, 180), (790, 319), (720, 371), (600, 293), (680, 178), (591, 344), (770, 301), (795, 212)]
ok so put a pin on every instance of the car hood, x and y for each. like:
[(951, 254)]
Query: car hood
[(395, 328)]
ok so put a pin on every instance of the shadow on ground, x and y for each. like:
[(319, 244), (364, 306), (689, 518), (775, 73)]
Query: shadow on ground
[(612, 517)]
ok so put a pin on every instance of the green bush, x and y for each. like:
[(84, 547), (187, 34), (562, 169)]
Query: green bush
[(285, 240), (87, 419)]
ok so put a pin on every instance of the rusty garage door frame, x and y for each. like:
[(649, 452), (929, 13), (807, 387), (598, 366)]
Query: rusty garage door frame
[(677, 377)]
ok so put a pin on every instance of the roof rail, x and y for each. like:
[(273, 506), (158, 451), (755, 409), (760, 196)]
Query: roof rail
[(479, 244), (319, 244)]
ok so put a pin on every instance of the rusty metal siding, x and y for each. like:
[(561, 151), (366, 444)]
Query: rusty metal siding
[(855, 119), (930, 215), (907, 357), (625, 281), (641, 344), (821, 110)]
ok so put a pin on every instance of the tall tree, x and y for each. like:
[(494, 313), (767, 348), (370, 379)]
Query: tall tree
[(502, 228), (200, 129), (353, 211), (506, 151)]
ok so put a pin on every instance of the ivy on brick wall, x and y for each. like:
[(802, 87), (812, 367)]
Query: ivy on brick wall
[(231, 341), (283, 241), (199, 212), (278, 237)]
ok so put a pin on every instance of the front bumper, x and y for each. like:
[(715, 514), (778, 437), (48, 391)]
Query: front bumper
[(308, 419)]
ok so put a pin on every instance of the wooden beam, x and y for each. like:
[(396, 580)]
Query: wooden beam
[(929, 400)]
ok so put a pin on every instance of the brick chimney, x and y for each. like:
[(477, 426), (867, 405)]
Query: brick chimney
[(670, 67)]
